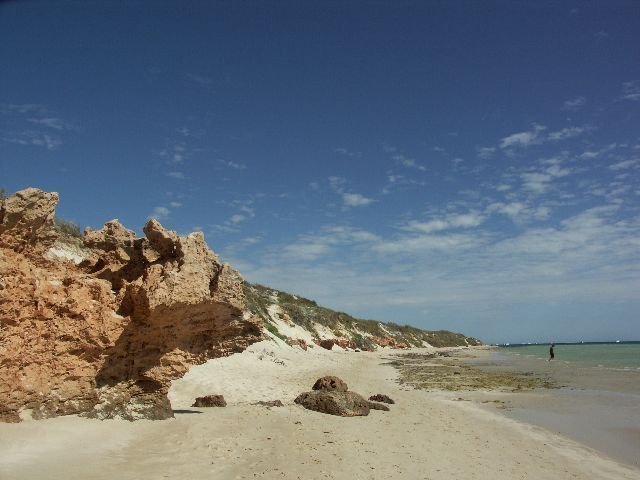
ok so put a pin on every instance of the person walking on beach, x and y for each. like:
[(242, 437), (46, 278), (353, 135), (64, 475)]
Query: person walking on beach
[(551, 355)]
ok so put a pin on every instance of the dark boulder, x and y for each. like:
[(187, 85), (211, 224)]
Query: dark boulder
[(330, 383), (341, 403), (379, 397), (210, 401)]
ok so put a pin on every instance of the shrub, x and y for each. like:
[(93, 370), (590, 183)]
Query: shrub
[(67, 227)]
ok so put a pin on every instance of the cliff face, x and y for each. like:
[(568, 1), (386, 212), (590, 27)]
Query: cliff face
[(106, 337)]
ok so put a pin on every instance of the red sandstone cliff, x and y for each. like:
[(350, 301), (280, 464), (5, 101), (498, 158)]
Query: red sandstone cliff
[(106, 337)]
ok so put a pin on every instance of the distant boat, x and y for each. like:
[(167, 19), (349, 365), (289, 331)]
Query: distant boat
[(617, 341)]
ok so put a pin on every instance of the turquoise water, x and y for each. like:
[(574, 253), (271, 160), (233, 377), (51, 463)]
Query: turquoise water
[(624, 356)]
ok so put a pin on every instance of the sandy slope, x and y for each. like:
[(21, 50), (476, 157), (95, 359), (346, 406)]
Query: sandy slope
[(424, 436)]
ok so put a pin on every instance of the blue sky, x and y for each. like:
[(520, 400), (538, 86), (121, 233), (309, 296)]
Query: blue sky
[(472, 166)]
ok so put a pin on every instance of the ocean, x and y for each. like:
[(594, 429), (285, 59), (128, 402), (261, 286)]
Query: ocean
[(617, 356), (597, 399)]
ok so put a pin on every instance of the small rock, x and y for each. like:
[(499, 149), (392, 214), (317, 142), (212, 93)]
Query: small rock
[(378, 406), (210, 401), (269, 403), (379, 397), (330, 383)]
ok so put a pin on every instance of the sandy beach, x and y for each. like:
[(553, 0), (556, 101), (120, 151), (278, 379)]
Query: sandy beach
[(424, 436)]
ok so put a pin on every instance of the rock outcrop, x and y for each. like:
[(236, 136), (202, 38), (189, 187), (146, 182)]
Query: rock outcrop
[(343, 404), (331, 395), (297, 342), (105, 338), (26, 220)]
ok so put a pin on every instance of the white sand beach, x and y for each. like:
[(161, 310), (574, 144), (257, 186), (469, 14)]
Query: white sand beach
[(423, 436)]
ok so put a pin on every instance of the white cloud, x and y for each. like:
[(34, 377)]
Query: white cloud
[(177, 175), (624, 164), (355, 200), (175, 204), (408, 162), (347, 153), (337, 183), (575, 104), (23, 117), (590, 154), (234, 165), (523, 139), (175, 154), (466, 220), (423, 243), (160, 213), (535, 136), (485, 152), (631, 91), (50, 122), (519, 212), (565, 133), (305, 251), (237, 218), (50, 142)]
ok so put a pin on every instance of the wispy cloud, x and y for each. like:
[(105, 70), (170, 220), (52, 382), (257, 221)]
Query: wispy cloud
[(33, 124), (176, 175), (232, 165), (355, 200), (347, 153), (574, 104), (625, 164), (198, 79), (349, 199), (175, 153), (540, 181), (590, 154), (536, 136), (523, 139), (565, 133), (631, 91), (50, 122), (452, 221), (408, 162), (485, 152), (423, 243), (237, 218), (519, 212), (160, 213), (38, 139)]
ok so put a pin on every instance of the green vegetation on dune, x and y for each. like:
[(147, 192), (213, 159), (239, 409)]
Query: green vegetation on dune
[(307, 314)]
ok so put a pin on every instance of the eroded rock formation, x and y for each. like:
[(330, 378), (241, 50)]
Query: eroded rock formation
[(105, 338)]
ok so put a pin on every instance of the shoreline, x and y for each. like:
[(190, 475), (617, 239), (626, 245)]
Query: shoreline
[(423, 436), (597, 407)]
